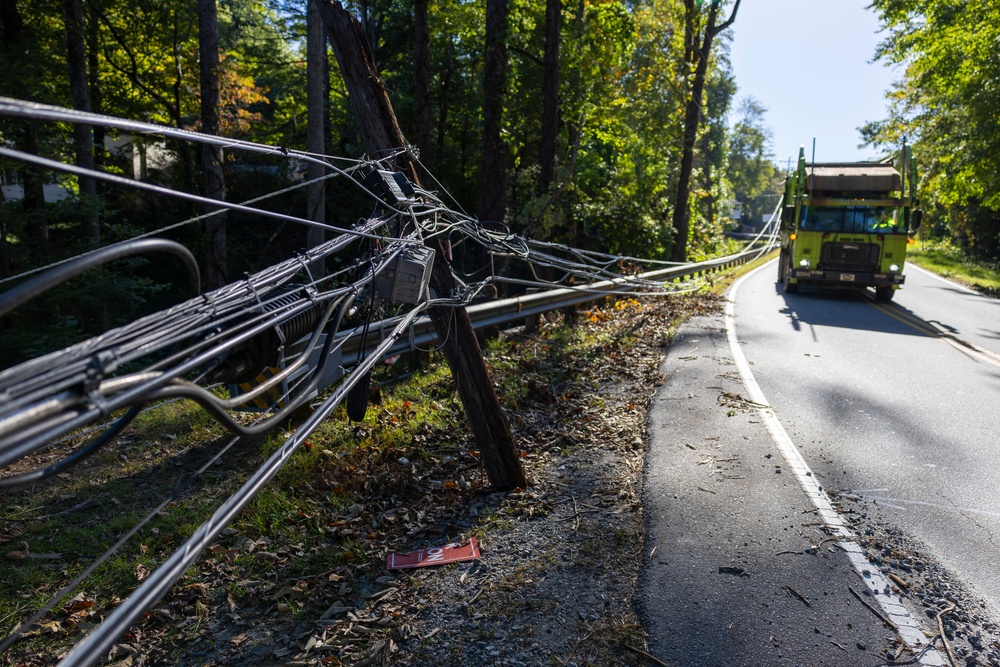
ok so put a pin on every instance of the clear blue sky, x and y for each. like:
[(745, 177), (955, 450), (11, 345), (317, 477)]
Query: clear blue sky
[(808, 61)]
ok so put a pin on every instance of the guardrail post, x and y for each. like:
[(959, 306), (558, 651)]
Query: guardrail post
[(531, 321)]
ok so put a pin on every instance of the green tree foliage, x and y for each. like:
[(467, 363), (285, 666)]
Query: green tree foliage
[(623, 85), (713, 187), (946, 104), (751, 170), (141, 62)]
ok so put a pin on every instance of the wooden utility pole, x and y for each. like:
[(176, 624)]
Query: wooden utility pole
[(461, 348)]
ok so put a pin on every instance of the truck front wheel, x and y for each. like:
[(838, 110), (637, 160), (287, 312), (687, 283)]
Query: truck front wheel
[(783, 261), (884, 293)]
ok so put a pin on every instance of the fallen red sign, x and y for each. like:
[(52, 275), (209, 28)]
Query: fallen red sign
[(449, 553)]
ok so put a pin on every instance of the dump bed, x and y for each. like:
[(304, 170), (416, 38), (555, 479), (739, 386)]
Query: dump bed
[(852, 177)]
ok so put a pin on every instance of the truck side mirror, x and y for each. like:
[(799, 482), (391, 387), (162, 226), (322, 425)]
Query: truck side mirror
[(915, 219)]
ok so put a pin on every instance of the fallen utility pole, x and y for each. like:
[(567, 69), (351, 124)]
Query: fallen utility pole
[(370, 101)]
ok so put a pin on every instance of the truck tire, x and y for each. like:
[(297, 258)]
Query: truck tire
[(885, 293), (782, 266), (787, 285)]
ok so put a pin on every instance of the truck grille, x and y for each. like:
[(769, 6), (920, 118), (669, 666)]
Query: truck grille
[(850, 257)]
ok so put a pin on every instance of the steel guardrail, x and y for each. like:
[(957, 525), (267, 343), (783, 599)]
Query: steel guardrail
[(500, 312)]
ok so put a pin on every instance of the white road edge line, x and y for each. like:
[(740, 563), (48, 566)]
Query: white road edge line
[(964, 288), (910, 628)]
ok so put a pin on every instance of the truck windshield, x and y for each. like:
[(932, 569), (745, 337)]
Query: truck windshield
[(852, 219)]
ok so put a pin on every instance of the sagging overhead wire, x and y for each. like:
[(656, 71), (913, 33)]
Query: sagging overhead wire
[(42, 407), (170, 227), (232, 329), (55, 165), (34, 111)]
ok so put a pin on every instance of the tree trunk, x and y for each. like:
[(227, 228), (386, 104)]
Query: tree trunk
[(699, 57), (444, 110), (214, 179), (493, 203), (33, 182), (315, 126), (4, 250), (94, 78), (83, 136), (707, 171), (36, 231), (424, 131), (550, 94), (482, 407)]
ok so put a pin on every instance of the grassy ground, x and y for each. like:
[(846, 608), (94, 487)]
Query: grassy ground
[(948, 261)]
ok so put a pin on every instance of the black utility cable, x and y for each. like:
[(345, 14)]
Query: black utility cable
[(74, 458), (55, 165), (29, 289), (42, 416)]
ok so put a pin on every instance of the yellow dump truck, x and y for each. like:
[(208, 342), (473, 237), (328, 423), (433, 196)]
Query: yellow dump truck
[(847, 224)]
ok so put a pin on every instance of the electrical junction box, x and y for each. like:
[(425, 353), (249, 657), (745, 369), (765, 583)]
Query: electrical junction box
[(407, 275), (392, 187)]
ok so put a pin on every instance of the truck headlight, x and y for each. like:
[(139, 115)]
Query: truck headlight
[(804, 263), (893, 268)]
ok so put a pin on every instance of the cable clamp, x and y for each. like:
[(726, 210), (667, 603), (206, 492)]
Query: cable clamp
[(102, 363), (97, 399), (254, 294), (305, 267)]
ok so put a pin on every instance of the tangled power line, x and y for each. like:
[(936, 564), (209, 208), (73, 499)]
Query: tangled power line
[(288, 319)]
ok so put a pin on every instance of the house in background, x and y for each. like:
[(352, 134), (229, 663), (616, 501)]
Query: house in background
[(13, 189), (138, 156)]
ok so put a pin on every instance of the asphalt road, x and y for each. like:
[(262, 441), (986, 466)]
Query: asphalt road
[(883, 408), (890, 411)]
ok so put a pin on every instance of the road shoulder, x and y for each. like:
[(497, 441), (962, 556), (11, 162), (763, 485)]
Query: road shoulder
[(738, 567)]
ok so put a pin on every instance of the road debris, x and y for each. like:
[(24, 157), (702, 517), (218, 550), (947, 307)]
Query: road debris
[(449, 553), (875, 610), (798, 595)]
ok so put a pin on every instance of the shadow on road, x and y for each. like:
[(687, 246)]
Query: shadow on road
[(853, 309)]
